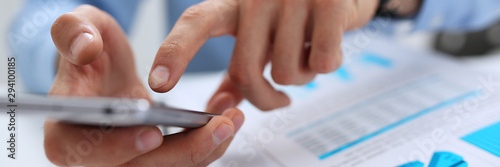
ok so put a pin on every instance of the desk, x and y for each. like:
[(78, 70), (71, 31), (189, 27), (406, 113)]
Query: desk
[(30, 134)]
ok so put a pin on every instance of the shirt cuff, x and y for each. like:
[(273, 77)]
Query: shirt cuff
[(456, 15)]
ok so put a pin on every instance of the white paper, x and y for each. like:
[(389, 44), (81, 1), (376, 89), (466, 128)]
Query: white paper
[(387, 106)]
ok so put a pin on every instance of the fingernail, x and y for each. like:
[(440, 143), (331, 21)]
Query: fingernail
[(221, 134), (238, 122), (159, 77), (80, 43), (148, 140)]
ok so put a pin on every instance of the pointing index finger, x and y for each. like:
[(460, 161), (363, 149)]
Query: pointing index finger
[(195, 26)]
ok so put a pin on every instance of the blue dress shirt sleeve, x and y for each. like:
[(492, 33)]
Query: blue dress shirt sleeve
[(437, 15)]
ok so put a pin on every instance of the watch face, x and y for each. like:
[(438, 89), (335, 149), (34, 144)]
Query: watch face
[(384, 11)]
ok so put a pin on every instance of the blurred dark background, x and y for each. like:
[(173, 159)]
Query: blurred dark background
[(469, 44)]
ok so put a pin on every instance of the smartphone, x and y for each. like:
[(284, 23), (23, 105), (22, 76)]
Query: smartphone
[(107, 111)]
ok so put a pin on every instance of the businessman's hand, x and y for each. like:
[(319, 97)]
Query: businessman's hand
[(300, 38), (97, 61)]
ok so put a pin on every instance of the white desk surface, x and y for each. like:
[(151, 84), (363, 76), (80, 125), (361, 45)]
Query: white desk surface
[(30, 135)]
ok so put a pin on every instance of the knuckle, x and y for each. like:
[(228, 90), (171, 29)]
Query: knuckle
[(326, 63), (323, 47), (172, 52), (170, 49), (195, 156), (323, 67), (195, 13)]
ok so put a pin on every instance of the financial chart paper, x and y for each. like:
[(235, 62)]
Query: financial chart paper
[(386, 106)]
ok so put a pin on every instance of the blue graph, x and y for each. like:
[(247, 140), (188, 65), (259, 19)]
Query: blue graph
[(344, 73), (372, 58), (440, 159), (447, 159), (366, 59), (486, 139), (311, 85), (413, 164), (400, 122)]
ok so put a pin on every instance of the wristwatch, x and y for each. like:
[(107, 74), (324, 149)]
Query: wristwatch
[(384, 11), (398, 8)]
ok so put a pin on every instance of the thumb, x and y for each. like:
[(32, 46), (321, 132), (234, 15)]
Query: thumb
[(69, 144), (79, 35), (196, 146)]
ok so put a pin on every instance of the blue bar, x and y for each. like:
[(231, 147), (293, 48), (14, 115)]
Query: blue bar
[(446, 159), (487, 139), (376, 59), (343, 74), (420, 113), (413, 164), (311, 85)]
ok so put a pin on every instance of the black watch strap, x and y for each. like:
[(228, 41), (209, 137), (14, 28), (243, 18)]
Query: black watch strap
[(384, 12)]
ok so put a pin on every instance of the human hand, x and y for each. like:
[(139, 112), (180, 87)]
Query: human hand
[(276, 31), (96, 60)]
